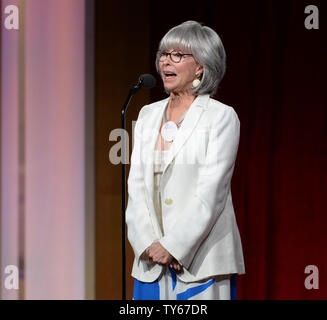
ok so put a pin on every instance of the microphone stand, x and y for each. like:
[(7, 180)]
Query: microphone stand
[(123, 125)]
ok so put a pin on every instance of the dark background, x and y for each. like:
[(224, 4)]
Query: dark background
[(275, 81)]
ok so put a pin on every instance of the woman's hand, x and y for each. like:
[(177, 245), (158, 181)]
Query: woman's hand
[(176, 265), (158, 254)]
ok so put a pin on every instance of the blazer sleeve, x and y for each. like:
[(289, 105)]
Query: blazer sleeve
[(215, 172), (140, 230)]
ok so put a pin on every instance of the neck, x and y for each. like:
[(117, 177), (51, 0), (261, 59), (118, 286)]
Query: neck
[(180, 100)]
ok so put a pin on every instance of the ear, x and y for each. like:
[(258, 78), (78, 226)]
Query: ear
[(199, 70)]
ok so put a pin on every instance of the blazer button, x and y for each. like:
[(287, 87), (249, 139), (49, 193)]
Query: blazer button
[(168, 201)]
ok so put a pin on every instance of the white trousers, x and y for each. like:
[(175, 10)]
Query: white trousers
[(169, 287)]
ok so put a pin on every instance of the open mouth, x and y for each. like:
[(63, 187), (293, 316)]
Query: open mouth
[(170, 75)]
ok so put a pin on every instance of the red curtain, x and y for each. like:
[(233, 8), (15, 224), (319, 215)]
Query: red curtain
[(276, 82)]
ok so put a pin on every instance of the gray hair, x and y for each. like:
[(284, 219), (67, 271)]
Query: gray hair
[(207, 49)]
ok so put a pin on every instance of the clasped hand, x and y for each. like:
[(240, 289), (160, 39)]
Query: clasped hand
[(158, 254)]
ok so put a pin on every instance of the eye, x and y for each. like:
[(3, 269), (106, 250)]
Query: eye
[(177, 54)]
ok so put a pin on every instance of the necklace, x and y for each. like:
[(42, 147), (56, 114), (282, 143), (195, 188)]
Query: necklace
[(169, 129)]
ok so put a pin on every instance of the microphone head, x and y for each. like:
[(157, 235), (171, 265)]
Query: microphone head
[(147, 81)]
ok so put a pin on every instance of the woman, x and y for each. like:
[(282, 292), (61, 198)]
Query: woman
[(180, 216)]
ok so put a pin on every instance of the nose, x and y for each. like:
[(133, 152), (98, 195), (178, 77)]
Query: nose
[(167, 61)]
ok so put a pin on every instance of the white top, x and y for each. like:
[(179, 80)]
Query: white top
[(159, 157)]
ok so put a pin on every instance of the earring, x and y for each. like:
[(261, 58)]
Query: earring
[(196, 82)]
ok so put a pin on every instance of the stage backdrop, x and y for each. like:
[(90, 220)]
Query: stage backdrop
[(275, 81)]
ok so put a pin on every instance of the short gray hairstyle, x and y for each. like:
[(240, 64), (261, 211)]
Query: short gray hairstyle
[(207, 49)]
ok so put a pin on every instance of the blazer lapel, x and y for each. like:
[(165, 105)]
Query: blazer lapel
[(151, 131), (188, 125)]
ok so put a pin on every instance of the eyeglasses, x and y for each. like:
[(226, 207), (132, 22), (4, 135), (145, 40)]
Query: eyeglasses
[(174, 56)]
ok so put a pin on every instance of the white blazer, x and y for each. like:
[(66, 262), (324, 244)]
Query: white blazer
[(200, 228)]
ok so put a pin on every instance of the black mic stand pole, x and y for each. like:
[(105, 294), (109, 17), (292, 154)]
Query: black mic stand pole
[(124, 160)]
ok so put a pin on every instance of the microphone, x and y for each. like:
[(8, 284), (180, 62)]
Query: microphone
[(147, 81)]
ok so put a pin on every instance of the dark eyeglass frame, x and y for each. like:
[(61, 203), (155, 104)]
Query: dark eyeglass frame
[(175, 54)]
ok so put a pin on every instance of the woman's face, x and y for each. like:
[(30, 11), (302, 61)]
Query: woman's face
[(182, 73)]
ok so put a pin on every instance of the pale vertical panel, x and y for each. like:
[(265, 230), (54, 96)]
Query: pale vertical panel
[(55, 149), (9, 152)]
